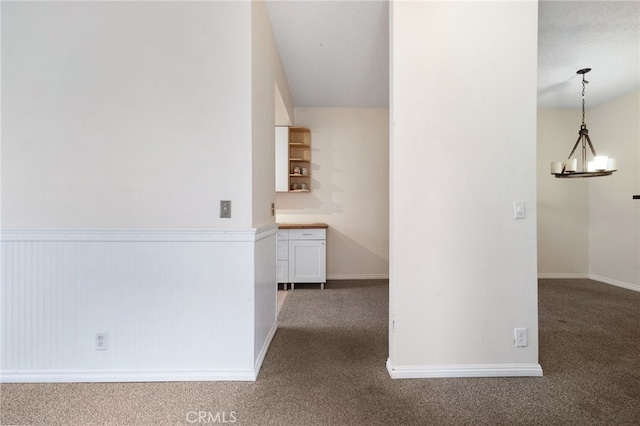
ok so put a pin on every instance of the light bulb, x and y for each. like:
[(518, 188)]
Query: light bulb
[(600, 162)]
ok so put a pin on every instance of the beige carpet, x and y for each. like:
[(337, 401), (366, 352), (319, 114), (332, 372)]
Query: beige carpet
[(326, 366)]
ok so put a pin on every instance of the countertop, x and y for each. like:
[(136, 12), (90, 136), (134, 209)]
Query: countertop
[(303, 226)]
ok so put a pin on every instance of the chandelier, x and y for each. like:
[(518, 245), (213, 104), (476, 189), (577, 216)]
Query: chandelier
[(601, 165)]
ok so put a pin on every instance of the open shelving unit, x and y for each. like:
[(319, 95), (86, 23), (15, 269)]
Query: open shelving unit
[(299, 159)]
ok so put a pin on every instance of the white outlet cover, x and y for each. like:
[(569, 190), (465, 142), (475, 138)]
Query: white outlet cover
[(102, 341), (521, 337)]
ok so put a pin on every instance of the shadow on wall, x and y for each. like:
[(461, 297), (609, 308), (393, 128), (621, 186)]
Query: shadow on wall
[(296, 203), (360, 255)]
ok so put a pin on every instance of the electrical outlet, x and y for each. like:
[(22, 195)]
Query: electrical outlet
[(519, 210), (225, 209), (273, 209), (102, 342), (521, 337)]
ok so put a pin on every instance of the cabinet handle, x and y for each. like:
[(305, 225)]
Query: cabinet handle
[(306, 234)]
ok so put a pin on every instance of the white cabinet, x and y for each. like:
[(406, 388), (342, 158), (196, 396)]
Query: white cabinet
[(282, 269), (306, 256), (308, 261), (282, 256)]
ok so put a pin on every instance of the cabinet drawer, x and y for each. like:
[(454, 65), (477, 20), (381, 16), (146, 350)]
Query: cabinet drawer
[(307, 234), (283, 234)]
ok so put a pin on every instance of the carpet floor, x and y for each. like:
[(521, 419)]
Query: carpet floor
[(326, 366)]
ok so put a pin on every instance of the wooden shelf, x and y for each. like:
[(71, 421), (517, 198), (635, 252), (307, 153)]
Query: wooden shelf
[(299, 158), (293, 156)]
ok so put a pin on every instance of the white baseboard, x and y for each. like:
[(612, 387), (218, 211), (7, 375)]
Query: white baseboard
[(263, 351), (357, 276), (563, 275), (580, 275), (622, 284), (471, 370), (79, 376)]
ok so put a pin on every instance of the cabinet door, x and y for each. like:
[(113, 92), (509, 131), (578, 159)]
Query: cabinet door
[(307, 261), (282, 159)]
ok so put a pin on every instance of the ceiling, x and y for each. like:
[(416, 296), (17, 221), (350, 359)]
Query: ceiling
[(336, 53)]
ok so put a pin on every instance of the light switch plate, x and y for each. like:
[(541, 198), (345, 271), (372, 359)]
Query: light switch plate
[(225, 209)]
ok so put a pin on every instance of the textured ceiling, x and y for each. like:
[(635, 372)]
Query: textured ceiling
[(601, 35), (336, 53)]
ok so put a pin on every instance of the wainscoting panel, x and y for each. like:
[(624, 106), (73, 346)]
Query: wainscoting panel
[(266, 295), (173, 305)]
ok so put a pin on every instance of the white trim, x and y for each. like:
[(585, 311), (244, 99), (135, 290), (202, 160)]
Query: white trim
[(140, 235), (266, 231), (622, 284), (358, 276), (610, 281), (563, 275), (79, 376), (265, 348), (467, 370)]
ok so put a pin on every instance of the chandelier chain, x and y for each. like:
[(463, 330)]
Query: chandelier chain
[(584, 82)]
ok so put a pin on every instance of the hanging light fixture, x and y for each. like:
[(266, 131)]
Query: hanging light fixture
[(600, 165)]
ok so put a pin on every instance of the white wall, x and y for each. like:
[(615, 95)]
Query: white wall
[(591, 227), (283, 117), (267, 72), (563, 204), (349, 188), (463, 149), (614, 221), (126, 114), (130, 121)]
